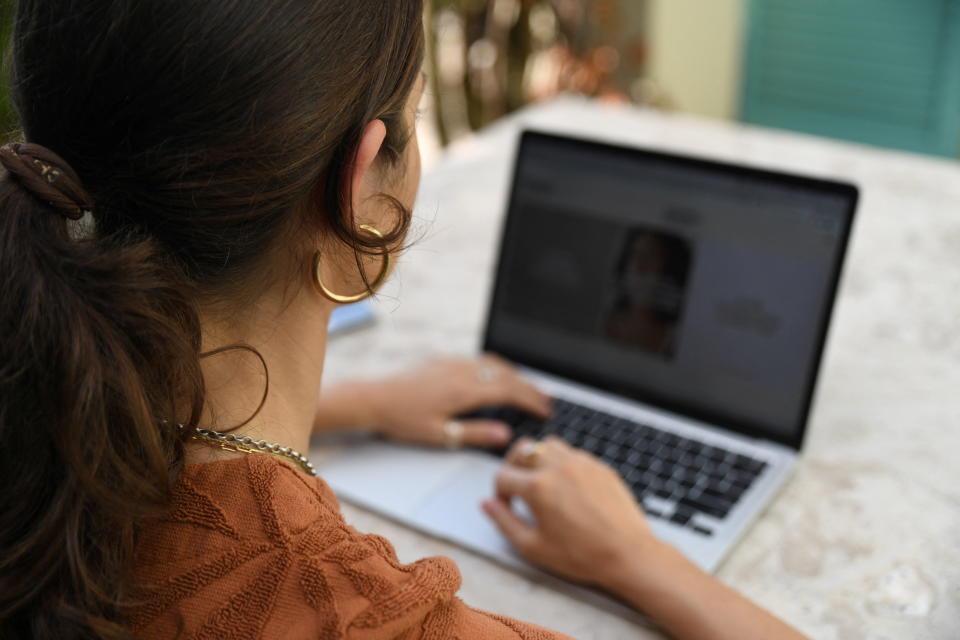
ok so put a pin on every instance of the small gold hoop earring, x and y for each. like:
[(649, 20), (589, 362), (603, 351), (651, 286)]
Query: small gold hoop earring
[(379, 280)]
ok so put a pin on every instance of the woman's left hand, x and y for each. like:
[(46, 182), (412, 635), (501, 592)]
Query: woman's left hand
[(422, 405)]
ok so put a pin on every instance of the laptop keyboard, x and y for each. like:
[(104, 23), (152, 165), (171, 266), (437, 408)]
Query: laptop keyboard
[(674, 478)]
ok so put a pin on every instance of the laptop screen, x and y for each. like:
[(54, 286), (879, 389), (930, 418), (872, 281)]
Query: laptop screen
[(702, 288)]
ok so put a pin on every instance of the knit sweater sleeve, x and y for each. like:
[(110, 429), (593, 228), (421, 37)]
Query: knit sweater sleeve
[(254, 549), (418, 602)]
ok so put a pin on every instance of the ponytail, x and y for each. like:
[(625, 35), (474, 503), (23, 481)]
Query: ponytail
[(99, 344)]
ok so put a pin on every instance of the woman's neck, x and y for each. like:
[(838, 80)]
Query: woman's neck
[(292, 340)]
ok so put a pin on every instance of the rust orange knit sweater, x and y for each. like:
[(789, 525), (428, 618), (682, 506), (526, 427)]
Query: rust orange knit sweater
[(255, 549)]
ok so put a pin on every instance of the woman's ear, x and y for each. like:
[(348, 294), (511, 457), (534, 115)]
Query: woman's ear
[(340, 260), (362, 181)]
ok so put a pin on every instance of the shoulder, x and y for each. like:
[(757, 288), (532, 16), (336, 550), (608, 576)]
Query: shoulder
[(254, 548), (251, 545)]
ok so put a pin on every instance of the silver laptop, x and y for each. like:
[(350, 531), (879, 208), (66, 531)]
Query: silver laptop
[(676, 310)]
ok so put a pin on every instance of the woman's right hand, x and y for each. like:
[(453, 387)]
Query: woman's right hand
[(588, 525)]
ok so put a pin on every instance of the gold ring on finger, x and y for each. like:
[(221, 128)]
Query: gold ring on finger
[(530, 452)]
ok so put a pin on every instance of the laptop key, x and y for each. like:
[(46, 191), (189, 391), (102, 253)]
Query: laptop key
[(685, 460), (732, 496), (671, 440), (714, 454), (715, 491), (651, 479), (745, 463), (609, 453), (596, 430), (682, 515), (742, 480), (575, 440), (716, 507)]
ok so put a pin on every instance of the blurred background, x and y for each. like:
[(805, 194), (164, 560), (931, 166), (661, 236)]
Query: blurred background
[(880, 72)]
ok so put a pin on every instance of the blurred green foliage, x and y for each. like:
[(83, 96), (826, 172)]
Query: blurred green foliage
[(8, 118)]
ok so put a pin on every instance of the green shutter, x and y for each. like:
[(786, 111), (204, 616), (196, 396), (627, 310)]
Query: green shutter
[(884, 72)]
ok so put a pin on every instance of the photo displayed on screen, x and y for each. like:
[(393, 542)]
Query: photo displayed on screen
[(696, 286), (650, 291)]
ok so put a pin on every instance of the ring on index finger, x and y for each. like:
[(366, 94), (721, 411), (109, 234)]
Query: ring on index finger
[(530, 453)]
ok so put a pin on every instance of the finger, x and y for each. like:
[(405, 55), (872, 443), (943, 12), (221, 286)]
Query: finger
[(519, 532), (491, 369), (529, 454), (523, 395), (493, 359), (512, 481), (511, 389), (552, 449), (485, 433), (556, 443), (518, 452)]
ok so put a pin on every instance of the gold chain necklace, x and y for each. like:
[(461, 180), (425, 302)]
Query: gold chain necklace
[(246, 444)]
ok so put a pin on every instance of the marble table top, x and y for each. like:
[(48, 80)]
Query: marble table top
[(863, 541)]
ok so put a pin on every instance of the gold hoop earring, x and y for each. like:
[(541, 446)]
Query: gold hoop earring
[(371, 289)]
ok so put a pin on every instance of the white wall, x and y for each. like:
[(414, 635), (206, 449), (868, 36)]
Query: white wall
[(696, 54)]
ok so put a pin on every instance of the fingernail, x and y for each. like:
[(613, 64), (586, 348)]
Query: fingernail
[(499, 435)]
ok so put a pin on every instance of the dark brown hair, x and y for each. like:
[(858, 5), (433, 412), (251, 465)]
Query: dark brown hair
[(200, 129)]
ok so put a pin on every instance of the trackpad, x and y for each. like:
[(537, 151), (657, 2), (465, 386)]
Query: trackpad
[(454, 512)]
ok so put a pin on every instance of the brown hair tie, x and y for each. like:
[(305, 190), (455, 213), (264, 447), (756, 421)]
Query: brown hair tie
[(47, 177)]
